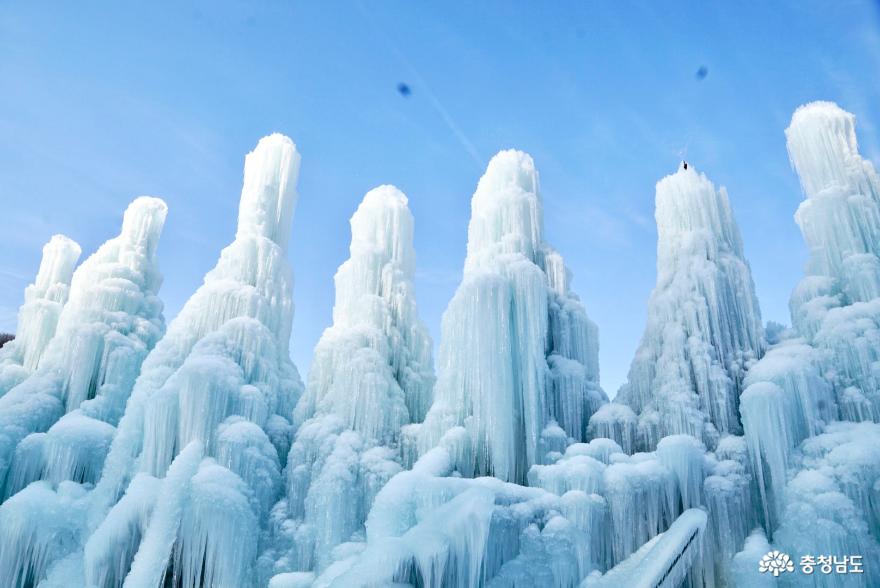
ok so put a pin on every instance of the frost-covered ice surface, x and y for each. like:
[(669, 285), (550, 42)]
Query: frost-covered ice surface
[(518, 365), (704, 325), (198, 459)]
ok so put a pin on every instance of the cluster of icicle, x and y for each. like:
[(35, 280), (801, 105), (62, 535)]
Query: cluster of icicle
[(131, 456)]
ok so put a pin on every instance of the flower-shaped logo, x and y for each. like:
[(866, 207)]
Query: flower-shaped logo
[(776, 563)]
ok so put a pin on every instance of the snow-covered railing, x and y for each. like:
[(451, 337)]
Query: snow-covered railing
[(663, 561)]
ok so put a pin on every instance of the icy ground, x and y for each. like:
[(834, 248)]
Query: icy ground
[(192, 456)]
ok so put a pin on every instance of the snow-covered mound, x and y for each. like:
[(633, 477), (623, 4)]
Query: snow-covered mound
[(428, 528), (372, 373), (518, 355), (704, 325)]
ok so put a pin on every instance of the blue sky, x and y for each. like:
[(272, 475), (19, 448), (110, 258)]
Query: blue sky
[(101, 103)]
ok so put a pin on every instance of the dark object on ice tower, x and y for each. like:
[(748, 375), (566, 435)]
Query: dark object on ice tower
[(6, 338), (684, 164)]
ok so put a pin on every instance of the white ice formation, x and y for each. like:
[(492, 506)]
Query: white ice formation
[(38, 316), (371, 374), (816, 462), (84, 375), (197, 459), (210, 414), (518, 355), (57, 424), (704, 325)]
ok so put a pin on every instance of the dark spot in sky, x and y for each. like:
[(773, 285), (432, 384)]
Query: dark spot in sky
[(702, 72), (404, 90)]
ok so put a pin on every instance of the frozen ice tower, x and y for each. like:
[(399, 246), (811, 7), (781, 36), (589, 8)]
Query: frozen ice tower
[(518, 355), (837, 306), (372, 373), (84, 375), (195, 465), (815, 469), (56, 425), (704, 325), (38, 316), (373, 367)]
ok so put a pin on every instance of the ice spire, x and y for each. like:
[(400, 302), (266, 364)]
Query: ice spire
[(517, 351), (268, 195), (836, 306), (56, 426), (826, 370), (704, 324), (372, 372), (840, 217), (208, 416), (38, 316), (373, 367), (112, 319)]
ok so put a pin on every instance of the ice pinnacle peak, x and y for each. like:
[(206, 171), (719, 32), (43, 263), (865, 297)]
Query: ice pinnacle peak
[(56, 267), (506, 215), (383, 225), (268, 196), (142, 225), (823, 148), (518, 355), (371, 374), (704, 325), (38, 316), (511, 167), (688, 204), (840, 218)]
